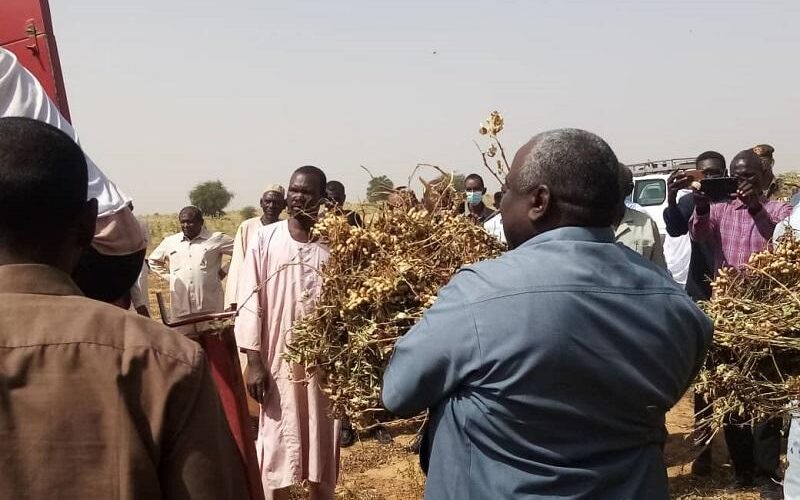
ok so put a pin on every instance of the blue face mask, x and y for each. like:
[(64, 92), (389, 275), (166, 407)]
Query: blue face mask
[(474, 197)]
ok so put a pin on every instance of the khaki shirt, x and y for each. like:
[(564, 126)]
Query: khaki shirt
[(639, 232), (192, 268), (99, 403)]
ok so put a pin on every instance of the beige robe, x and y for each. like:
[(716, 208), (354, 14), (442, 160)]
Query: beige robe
[(297, 440), (244, 235)]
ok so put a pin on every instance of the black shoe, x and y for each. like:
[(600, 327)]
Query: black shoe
[(416, 444), (346, 437), (701, 468), (382, 435)]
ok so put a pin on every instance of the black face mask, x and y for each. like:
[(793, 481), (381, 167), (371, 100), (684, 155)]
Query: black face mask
[(107, 277)]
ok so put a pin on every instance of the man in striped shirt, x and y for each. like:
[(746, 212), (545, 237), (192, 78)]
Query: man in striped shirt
[(735, 229), (742, 225)]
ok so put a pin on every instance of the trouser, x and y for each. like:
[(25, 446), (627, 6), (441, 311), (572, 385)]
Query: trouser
[(755, 450)]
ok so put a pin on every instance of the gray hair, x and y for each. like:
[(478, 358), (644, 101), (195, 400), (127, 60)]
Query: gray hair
[(579, 168)]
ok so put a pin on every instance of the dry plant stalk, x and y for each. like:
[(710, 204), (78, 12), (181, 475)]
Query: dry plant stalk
[(377, 283), (751, 373), (491, 128)]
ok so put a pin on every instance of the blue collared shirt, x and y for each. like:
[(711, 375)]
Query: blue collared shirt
[(549, 371)]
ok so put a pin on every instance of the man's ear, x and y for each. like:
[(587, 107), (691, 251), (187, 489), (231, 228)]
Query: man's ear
[(539, 202), (88, 223)]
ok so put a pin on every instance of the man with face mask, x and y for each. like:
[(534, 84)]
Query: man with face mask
[(548, 371), (475, 208), (279, 282)]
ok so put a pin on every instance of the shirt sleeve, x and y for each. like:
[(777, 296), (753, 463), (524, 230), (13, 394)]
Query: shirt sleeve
[(226, 248), (234, 267), (202, 459), (766, 221), (250, 300), (158, 260), (139, 290), (702, 227), (226, 244), (435, 358), (657, 255), (677, 217)]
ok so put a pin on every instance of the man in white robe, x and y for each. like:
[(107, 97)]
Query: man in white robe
[(279, 281)]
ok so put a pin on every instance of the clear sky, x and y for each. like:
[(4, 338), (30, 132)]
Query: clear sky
[(168, 93)]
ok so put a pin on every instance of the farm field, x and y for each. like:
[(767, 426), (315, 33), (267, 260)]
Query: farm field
[(370, 471)]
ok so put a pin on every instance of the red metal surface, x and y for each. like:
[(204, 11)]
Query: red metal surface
[(221, 352), (27, 30)]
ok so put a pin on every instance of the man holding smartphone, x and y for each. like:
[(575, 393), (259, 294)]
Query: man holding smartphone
[(709, 165), (735, 229), (744, 223)]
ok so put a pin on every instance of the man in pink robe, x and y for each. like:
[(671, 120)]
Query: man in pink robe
[(297, 440)]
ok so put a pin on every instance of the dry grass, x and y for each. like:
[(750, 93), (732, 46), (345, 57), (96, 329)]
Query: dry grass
[(377, 283), (753, 368)]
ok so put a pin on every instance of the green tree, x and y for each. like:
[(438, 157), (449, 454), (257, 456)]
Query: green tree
[(248, 212), (379, 188), (211, 197)]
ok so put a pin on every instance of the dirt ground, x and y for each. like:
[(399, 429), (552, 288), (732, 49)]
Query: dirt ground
[(372, 472)]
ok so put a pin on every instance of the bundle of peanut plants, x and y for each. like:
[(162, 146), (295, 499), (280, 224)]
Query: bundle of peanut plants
[(377, 283), (751, 373)]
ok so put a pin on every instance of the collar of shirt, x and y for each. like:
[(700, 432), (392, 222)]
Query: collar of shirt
[(36, 279), (204, 235), (573, 233), (737, 204), (632, 218)]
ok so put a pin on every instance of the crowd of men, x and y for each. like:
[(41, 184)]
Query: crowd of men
[(547, 372)]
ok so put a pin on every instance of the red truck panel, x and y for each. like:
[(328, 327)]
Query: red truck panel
[(26, 30)]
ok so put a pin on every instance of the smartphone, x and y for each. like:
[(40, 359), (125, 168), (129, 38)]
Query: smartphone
[(695, 175), (719, 188)]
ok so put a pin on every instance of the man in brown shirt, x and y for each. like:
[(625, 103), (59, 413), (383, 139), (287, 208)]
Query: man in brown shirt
[(95, 402)]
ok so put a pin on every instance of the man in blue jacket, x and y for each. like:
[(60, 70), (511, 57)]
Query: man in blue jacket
[(549, 370)]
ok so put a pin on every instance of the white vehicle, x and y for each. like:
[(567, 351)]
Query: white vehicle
[(650, 186)]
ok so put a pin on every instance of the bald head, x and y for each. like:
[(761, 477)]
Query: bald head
[(566, 177)]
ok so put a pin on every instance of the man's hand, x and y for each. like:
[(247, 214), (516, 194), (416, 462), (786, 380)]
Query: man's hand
[(702, 205), (675, 182), (257, 383), (749, 195)]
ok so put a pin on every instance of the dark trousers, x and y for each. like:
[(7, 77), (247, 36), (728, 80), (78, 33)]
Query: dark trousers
[(755, 450)]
